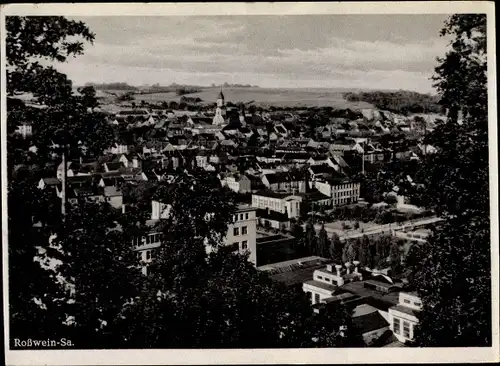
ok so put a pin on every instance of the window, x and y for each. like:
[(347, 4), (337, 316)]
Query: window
[(309, 295), (246, 216), (327, 279), (320, 278), (139, 256), (406, 301), (244, 244), (396, 326), (235, 218), (148, 254), (244, 230), (406, 329), (417, 303), (241, 216), (316, 298), (236, 231)]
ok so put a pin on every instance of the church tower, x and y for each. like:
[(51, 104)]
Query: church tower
[(220, 99), (220, 111)]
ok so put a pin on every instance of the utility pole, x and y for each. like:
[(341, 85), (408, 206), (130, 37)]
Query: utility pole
[(363, 160), (63, 188)]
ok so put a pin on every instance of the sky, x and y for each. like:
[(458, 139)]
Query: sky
[(298, 51)]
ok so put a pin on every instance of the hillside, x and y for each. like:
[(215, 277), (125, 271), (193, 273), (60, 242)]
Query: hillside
[(266, 97)]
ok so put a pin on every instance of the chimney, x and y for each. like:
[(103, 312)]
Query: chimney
[(338, 267), (356, 264), (329, 267), (348, 266), (123, 208)]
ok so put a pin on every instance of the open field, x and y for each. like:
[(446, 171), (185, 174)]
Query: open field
[(266, 97)]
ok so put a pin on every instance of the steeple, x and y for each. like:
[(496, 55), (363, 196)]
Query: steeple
[(221, 95)]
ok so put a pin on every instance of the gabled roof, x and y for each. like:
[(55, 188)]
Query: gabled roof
[(369, 322)]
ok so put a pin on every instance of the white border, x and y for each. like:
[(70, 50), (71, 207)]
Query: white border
[(247, 356)]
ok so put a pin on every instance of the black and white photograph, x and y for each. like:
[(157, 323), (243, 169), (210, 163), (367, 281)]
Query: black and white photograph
[(242, 178)]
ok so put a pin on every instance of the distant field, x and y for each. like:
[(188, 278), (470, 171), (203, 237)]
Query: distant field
[(267, 97)]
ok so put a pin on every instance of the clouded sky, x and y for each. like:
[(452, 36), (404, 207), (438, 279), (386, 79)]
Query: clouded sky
[(351, 51)]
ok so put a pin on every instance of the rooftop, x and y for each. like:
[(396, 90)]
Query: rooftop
[(380, 300), (406, 310), (322, 285), (245, 208)]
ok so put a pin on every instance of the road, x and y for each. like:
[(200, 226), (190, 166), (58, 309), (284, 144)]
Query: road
[(382, 229)]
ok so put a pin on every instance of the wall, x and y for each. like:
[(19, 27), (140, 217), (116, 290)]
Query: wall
[(250, 237)]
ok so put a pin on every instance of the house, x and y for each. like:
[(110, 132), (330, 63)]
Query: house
[(118, 148), (49, 182), (25, 129), (323, 171), (340, 188), (75, 169), (129, 161), (326, 281), (146, 246), (293, 273), (238, 182), (113, 166), (403, 317), (284, 181), (371, 325), (280, 129), (273, 219), (114, 196), (280, 202), (241, 233)]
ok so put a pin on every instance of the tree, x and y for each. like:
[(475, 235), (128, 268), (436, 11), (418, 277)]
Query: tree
[(365, 252), (336, 248), (66, 123), (95, 271), (199, 298), (453, 276), (311, 238), (349, 253), (298, 234), (322, 243)]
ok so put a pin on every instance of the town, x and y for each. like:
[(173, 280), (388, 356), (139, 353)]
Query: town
[(226, 216), (290, 179)]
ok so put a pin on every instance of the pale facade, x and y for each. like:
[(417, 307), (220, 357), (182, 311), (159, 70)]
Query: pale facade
[(404, 317), (342, 193), (286, 204), (242, 232)]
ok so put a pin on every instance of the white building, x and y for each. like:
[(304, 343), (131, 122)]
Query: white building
[(239, 184), (280, 202), (404, 317), (340, 192), (25, 129), (326, 281), (220, 111), (241, 233)]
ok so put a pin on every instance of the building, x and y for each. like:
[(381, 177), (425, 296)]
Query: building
[(326, 281), (25, 129), (279, 202), (242, 232), (294, 272), (273, 219), (220, 110), (238, 183), (284, 181), (404, 316), (145, 247), (340, 188)]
